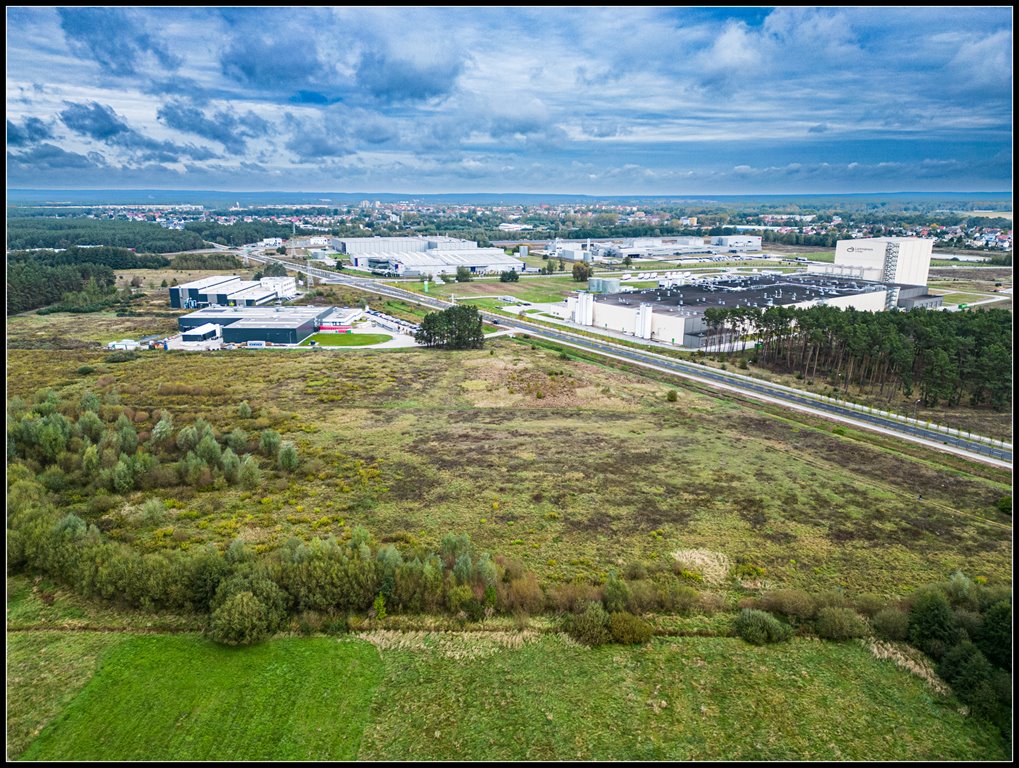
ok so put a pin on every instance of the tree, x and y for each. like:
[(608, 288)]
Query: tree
[(458, 327), (463, 275), (509, 276), (932, 625), (241, 620), (627, 260), (274, 269), (281, 251), (581, 272)]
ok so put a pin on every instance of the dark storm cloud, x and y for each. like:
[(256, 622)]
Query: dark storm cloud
[(112, 39)]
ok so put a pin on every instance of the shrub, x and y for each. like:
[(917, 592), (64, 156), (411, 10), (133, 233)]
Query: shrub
[(244, 410), (1004, 505), (995, 636), (250, 475), (627, 629), (121, 357), (794, 603), (85, 370), (524, 595), (832, 599), (237, 441), (241, 620), (89, 402), (590, 627), (269, 442), (891, 624), (932, 625), (970, 674), (760, 627), (379, 607), (840, 624), (615, 593), (870, 605), (208, 450), (287, 457), (231, 466), (672, 396), (153, 511)]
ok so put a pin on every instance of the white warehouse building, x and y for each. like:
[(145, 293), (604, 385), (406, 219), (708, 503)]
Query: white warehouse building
[(902, 260), (737, 242), (421, 256)]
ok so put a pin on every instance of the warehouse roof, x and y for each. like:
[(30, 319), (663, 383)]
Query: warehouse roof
[(759, 291), (208, 282), (442, 257), (222, 315)]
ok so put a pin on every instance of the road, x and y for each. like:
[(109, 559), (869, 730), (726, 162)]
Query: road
[(944, 439)]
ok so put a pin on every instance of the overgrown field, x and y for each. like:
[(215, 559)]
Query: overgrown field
[(106, 696), (569, 467)]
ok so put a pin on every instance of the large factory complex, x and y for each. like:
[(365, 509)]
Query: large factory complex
[(874, 274), (424, 256)]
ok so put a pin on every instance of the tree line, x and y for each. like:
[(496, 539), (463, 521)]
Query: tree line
[(110, 256), (142, 236), (241, 233), (943, 356), (31, 285)]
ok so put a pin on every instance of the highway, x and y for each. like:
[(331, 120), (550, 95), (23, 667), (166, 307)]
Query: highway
[(993, 452)]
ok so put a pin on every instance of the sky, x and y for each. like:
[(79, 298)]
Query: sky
[(597, 100)]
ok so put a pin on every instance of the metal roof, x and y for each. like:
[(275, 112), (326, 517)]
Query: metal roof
[(207, 282)]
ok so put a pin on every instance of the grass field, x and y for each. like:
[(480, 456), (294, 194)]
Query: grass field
[(291, 699), (346, 339), (571, 467), (476, 696)]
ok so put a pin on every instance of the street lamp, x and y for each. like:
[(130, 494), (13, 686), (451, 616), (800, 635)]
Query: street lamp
[(915, 406)]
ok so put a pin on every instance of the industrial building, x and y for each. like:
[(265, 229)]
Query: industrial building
[(647, 247), (902, 260), (230, 290), (676, 314), (424, 256), (273, 325), (737, 243)]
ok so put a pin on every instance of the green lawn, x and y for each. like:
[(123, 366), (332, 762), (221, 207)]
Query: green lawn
[(963, 298), (182, 697), (472, 696), (346, 339)]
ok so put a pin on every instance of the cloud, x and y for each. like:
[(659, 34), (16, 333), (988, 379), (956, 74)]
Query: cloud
[(280, 59), (229, 129), (112, 39), (313, 140), (391, 78), (31, 131), (94, 120), (48, 157), (819, 128), (101, 123)]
